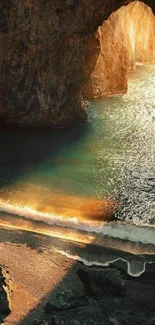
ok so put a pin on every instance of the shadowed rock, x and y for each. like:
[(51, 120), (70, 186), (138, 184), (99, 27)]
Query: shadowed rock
[(100, 282), (65, 300)]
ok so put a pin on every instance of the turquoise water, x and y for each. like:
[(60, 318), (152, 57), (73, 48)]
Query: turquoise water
[(111, 156)]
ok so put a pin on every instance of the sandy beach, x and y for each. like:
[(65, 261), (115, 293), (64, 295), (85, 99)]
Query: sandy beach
[(39, 271)]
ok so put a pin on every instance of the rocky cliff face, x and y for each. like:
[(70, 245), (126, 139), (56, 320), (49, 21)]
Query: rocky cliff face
[(47, 54)]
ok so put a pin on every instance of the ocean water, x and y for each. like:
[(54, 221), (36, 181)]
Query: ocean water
[(82, 177)]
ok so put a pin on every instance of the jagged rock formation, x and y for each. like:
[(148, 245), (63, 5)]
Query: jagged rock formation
[(48, 52), (127, 37), (5, 293)]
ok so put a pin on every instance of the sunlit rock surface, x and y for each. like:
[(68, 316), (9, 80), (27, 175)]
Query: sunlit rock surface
[(5, 293), (127, 37), (47, 54)]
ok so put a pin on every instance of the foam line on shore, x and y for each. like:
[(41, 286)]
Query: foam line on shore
[(121, 230), (96, 263)]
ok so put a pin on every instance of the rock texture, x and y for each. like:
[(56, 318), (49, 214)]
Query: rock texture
[(5, 293), (111, 298), (127, 37), (108, 281), (47, 54)]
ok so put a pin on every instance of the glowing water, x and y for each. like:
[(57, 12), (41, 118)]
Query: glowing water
[(76, 178)]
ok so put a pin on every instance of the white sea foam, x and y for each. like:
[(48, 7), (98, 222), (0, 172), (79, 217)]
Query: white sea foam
[(123, 231), (130, 269)]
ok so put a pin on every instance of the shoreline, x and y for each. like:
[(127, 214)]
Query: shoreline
[(114, 235), (38, 270), (76, 249)]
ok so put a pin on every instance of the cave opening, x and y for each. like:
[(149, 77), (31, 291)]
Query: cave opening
[(127, 38)]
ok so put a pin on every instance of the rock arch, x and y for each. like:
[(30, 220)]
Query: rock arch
[(48, 52), (127, 37)]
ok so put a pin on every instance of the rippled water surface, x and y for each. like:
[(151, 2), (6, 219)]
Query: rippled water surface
[(110, 157), (126, 150)]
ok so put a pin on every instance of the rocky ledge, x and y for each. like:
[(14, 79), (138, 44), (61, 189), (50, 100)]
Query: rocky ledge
[(5, 293), (107, 297)]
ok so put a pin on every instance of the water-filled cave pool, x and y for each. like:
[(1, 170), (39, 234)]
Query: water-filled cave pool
[(78, 177)]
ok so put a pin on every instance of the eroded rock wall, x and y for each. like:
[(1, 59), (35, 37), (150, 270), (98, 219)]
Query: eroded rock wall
[(48, 51), (127, 37)]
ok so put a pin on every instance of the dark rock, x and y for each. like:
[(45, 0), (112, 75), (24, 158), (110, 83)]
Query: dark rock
[(150, 322), (66, 300), (5, 293), (42, 322), (110, 301), (57, 320), (126, 317), (100, 282)]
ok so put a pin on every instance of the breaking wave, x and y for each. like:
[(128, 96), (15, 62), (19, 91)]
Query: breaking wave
[(114, 229)]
